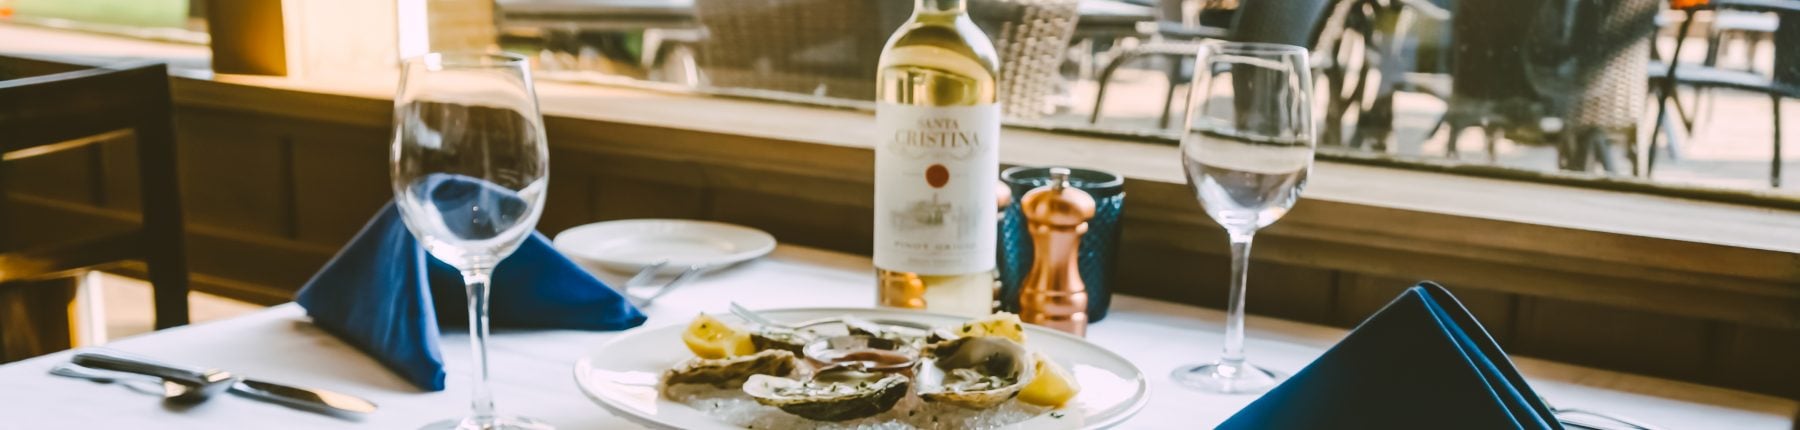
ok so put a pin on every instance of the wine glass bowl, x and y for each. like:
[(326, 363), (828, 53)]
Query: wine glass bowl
[(469, 165), (1247, 149)]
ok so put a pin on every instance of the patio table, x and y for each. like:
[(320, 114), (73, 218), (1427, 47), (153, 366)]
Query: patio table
[(532, 370)]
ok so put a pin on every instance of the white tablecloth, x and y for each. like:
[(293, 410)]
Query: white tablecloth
[(533, 377)]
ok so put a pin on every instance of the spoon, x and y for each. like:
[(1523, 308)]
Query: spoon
[(171, 390)]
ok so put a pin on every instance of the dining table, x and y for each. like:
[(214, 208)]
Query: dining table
[(533, 369)]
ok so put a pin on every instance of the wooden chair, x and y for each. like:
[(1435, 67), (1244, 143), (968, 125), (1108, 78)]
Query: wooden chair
[(48, 107)]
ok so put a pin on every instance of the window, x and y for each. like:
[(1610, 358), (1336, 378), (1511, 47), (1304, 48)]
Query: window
[(172, 20), (1550, 90)]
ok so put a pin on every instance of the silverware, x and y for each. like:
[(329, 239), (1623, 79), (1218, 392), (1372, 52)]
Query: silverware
[(195, 384), (1574, 417), (169, 390), (648, 273), (759, 319), (91, 363), (305, 398)]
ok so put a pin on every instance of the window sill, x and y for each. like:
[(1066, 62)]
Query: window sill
[(1684, 257)]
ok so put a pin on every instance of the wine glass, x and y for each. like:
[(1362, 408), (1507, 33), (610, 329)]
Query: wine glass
[(469, 167), (1247, 149)]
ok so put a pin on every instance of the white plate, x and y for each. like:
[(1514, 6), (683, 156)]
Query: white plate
[(627, 245), (622, 375)]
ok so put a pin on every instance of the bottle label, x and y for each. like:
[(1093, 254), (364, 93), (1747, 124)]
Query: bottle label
[(935, 173)]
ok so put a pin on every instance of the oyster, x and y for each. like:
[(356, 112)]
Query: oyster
[(779, 338), (833, 394), (862, 352), (731, 372), (861, 327), (976, 372), (940, 335)]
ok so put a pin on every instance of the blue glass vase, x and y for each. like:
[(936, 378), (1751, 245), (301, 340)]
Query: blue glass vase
[(1097, 253)]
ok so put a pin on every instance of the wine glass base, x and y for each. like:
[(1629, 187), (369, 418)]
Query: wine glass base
[(498, 423), (1211, 378)]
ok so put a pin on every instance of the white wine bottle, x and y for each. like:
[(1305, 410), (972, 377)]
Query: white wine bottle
[(939, 123)]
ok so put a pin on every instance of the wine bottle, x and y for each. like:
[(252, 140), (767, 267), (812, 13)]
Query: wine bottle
[(938, 122)]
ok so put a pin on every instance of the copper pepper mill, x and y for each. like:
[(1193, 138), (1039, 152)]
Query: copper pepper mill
[(1053, 295)]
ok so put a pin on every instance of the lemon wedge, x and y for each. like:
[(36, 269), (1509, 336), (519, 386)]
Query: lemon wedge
[(1002, 324), (710, 338), (1051, 387)]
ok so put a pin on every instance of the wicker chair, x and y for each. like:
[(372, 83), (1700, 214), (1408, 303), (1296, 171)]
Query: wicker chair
[(1031, 36), (824, 48), (1542, 72), (1613, 63), (830, 48)]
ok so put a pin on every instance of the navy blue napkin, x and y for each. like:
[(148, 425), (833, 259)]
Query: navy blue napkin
[(1422, 362), (385, 295)]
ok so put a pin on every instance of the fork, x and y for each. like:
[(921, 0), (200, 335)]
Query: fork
[(1570, 417), (759, 319), (647, 274)]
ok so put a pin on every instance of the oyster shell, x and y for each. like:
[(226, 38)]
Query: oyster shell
[(731, 372), (902, 334), (833, 394), (977, 372), (779, 338), (862, 352)]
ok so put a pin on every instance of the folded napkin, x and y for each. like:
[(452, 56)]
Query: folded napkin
[(1421, 362), (385, 295)]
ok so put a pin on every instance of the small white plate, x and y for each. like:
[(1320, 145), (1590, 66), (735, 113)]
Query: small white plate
[(623, 375), (628, 245)]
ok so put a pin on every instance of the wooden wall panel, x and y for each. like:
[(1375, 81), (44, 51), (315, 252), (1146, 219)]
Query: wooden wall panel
[(240, 267), (1202, 252), (619, 197), (340, 180), (566, 204), (798, 219), (1614, 338), (232, 167), (1760, 359), (1162, 272)]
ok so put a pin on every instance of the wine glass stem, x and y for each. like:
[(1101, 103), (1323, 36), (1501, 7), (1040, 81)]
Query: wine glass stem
[(481, 399), (1233, 356)]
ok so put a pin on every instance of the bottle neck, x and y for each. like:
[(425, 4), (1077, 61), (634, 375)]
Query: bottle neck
[(940, 6)]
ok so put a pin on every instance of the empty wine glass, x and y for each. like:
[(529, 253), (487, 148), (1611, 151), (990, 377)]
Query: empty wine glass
[(1247, 149), (469, 166)]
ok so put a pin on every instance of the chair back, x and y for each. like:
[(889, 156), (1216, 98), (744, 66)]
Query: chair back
[(821, 47), (1287, 22), (1032, 37), (48, 107), (1787, 50)]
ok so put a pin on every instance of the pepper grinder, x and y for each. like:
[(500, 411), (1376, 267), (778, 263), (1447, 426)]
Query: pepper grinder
[(1056, 216)]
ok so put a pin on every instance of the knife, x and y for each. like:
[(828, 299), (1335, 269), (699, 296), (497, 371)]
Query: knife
[(304, 398)]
